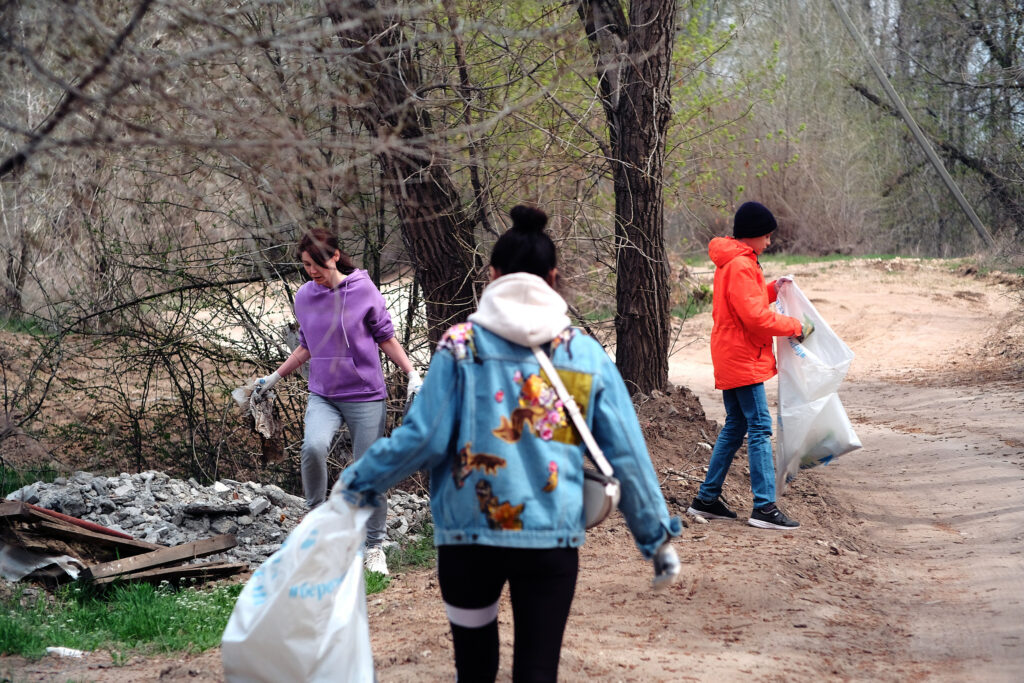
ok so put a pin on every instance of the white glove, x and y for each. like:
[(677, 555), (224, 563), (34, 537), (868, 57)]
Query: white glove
[(666, 566), (779, 282), (263, 385), (414, 385)]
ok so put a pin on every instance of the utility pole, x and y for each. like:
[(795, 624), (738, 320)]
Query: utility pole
[(914, 128)]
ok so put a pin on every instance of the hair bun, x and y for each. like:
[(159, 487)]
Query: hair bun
[(528, 218)]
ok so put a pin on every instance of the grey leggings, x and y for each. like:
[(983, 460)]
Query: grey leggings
[(324, 416)]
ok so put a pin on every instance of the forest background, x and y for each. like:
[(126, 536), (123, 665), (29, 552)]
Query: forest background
[(159, 160)]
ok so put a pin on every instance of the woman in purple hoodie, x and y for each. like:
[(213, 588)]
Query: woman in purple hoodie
[(343, 321)]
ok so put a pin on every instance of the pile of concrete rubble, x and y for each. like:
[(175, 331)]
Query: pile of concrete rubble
[(155, 508)]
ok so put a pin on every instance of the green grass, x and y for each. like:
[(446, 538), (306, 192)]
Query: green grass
[(419, 554), (799, 259), (376, 583), (416, 555), (139, 618), (23, 326), (12, 479), (696, 260)]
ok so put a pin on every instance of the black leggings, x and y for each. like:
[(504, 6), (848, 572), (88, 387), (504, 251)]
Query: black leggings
[(541, 586)]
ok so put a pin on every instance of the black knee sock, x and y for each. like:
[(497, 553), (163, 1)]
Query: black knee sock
[(476, 652)]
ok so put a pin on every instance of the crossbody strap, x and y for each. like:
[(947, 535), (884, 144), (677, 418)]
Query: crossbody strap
[(569, 403)]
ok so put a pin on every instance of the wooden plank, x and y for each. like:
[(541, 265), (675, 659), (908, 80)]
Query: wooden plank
[(132, 546), (29, 512), (199, 572), (13, 508), (156, 558), (53, 537), (84, 523), (24, 517), (24, 536)]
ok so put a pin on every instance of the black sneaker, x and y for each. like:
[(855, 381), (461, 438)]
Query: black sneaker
[(713, 510), (771, 517)]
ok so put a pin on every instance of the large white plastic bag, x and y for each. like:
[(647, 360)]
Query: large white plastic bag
[(812, 434), (813, 427), (817, 366), (302, 615)]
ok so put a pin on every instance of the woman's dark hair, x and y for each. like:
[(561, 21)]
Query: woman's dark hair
[(525, 247), (321, 245)]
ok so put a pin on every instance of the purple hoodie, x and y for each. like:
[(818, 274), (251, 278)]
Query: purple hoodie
[(341, 328)]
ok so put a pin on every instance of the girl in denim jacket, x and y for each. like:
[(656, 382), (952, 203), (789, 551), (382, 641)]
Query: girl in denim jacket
[(506, 466)]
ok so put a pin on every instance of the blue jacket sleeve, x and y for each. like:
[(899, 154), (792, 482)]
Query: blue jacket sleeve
[(617, 431), (423, 440)]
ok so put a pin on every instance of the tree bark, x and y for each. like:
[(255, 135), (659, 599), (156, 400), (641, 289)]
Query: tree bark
[(16, 266), (435, 228), (633, 58)]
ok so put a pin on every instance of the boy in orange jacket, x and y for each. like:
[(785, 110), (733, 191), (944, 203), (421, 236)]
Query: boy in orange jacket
[(741, 353)]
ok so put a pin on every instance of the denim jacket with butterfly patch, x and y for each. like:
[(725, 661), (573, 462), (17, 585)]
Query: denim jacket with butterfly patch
[(505, 463)]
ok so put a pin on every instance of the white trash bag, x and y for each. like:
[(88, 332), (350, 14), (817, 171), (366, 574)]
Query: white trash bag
[(302, 615), (812, 424), (816, 367)]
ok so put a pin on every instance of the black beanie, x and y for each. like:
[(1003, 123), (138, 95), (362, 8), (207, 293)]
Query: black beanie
[(753, 220)]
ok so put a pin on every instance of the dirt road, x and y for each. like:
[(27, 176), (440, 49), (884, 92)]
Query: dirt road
[(909, 564), (936, 497)]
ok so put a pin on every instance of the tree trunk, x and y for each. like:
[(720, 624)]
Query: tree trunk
[(15, 267), (634, 65), (435, 229)]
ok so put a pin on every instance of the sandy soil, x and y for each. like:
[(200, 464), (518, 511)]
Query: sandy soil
[(908, 564)]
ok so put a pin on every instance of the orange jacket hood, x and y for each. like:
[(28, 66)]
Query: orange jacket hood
[(744, 322)]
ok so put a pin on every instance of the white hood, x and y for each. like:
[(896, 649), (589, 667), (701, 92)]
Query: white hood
[(523, 309)]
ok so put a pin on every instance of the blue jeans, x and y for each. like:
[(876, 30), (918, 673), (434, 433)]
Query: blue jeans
[(365, 420), (746, 414)]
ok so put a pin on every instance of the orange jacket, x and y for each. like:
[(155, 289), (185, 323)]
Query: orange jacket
[(744, 325)]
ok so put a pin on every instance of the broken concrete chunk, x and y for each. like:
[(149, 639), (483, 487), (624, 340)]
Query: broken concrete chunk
[(258, 506)]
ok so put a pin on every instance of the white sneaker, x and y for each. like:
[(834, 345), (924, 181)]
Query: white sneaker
[(376, 561)]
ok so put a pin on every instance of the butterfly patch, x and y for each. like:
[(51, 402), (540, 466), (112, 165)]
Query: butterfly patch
[(499, 514), (466, 461)]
